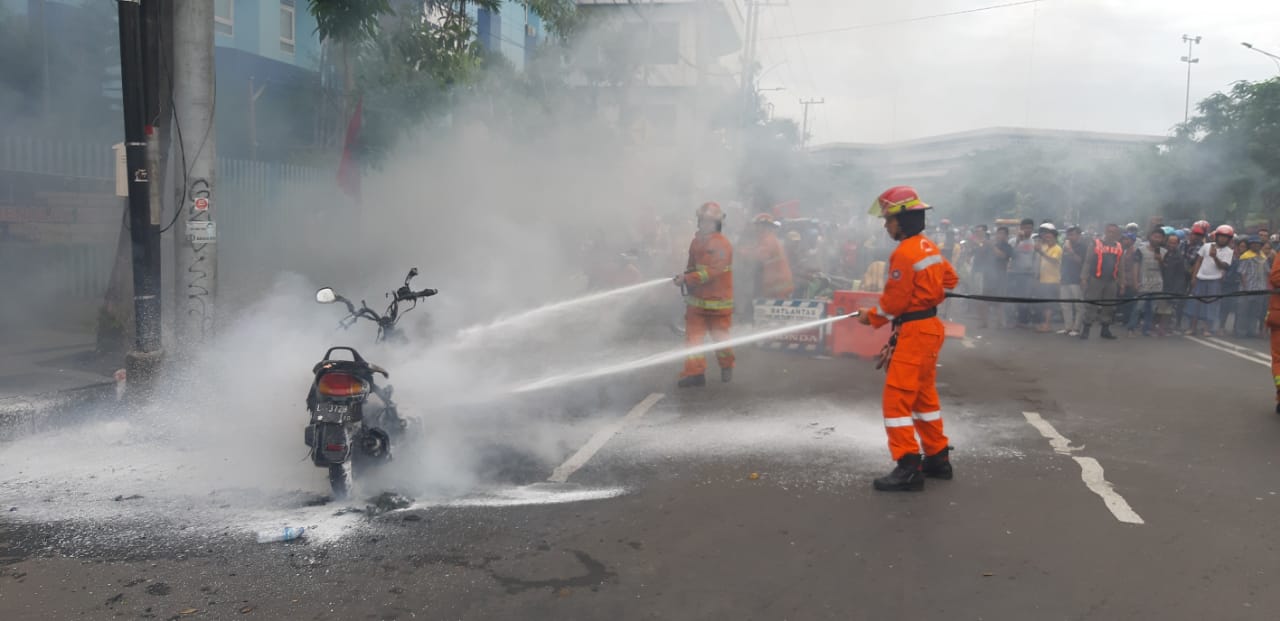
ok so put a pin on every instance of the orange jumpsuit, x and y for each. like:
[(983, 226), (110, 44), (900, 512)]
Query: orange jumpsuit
[(1273, 323), (775, 281), (918, 277), (709, 304)]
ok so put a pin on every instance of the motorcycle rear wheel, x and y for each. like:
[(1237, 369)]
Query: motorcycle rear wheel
[(340, 480)]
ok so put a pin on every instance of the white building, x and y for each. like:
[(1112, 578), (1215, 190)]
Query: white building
[(910, 161), (654, 66)]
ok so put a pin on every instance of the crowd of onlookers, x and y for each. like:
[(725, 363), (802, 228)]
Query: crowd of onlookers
[(1033, 261), (1010, 258)]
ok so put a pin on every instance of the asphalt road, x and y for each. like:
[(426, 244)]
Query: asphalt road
[(1039, 523)]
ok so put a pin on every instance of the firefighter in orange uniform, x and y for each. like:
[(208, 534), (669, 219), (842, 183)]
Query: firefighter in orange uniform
[(771, 258), (918, 278), (708, 283), (1273, 324)]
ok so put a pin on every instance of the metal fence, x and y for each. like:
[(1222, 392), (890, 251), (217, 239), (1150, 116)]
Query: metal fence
[(246, 205)]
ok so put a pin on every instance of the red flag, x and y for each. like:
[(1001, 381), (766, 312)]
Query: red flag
[(349, 169)]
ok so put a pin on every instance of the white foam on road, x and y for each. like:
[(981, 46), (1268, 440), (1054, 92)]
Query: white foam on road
[(797, 431), (536, 494), (179, 491), (1090, 470)]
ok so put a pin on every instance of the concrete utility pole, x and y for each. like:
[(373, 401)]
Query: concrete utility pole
[(1190, 41), (804, 127), (749, 58), (750, 50), (144, 228), (195, 250)]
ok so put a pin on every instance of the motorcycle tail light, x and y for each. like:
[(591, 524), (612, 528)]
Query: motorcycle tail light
[(341, 385)]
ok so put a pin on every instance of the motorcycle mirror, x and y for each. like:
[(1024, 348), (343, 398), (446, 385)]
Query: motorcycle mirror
[(413, 271), (326, 296)]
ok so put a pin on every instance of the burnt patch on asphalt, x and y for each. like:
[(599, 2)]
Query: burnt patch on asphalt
[(596, 573)]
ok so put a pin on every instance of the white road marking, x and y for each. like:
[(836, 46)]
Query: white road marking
[(1248, 351), (1265, 363), (597, 441), (1090, 470)]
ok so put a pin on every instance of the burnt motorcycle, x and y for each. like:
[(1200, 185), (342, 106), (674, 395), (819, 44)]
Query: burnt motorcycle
[(349, 432)]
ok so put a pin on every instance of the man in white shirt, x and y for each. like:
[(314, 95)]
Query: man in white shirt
[(1206, 277)]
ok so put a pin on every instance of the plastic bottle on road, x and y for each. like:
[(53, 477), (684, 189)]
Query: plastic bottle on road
[(280, 534)]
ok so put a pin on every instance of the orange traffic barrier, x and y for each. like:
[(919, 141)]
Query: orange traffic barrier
[(850, 337)]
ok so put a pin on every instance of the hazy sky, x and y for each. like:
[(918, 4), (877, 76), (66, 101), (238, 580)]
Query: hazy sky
[(1098, 65)]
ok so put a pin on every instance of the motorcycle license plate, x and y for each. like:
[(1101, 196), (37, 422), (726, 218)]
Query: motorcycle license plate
[(339, 409)]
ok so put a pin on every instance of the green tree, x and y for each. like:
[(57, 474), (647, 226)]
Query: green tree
[(407, 65)]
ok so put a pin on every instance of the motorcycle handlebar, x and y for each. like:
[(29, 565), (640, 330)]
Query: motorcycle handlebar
[(405, 294)]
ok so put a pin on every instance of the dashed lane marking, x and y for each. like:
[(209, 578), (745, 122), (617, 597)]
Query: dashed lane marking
[(597, 441), (1090, 470), (1233, 352)]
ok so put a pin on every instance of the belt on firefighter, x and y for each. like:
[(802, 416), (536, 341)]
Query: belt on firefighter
[(886, 354), (915, 316)]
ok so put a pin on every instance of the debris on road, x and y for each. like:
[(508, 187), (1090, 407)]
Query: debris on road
[(386, 502), (754, 476), (287, 533), (123, 497)]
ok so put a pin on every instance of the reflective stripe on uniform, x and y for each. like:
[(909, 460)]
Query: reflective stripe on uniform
[(709, 304), (899, 421), (927, 416), (696, 357), (880, 311), (927, 261), (1278, 381)]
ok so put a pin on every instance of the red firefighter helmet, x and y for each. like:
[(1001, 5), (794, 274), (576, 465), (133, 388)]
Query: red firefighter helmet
[(711, 210), (765, 218), (896, 200)]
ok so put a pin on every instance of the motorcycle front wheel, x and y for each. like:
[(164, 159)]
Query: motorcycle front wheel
[(340, 480)]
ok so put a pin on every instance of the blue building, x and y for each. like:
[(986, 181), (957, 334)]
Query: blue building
[(514, 31), (267, 55)]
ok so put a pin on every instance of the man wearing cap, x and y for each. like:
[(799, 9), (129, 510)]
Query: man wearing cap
[(1050, 255), (918, 279), (1190, 254)]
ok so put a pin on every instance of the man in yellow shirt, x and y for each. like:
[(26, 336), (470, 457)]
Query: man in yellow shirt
[(1050, 255)]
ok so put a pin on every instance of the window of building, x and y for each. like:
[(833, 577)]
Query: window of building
[(287, 23), (664, 43), (224, 17)]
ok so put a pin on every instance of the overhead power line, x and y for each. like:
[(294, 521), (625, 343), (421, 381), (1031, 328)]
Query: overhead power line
[(904, 21)]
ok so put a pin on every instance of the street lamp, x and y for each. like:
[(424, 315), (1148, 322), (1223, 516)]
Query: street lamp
[(1275, 59), (1190, 41)]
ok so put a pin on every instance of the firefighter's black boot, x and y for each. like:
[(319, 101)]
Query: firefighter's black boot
[(1106, 332), (1084, 332), (726, 374), (692, 381), (938, 465), (906, 477)]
